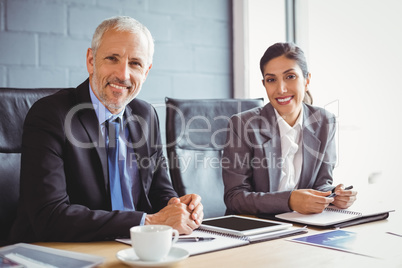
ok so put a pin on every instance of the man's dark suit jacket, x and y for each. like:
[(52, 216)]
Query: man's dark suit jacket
[(64, 179)]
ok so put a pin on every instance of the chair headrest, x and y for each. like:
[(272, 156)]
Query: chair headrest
[(202, 123), (14, 106)]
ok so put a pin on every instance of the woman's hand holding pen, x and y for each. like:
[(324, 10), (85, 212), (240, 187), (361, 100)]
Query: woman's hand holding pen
[(344, 197), (308, 201)]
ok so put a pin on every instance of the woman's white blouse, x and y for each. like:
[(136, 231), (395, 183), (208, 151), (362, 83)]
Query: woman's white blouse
[(292, 152)]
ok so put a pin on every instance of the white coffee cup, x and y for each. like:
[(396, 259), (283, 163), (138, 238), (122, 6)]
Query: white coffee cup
[(152, 242)]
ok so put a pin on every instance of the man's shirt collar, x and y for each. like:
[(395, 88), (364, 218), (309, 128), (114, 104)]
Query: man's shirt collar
[(101, 111)]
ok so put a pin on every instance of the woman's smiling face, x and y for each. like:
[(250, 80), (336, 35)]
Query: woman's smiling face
[(285, 86)]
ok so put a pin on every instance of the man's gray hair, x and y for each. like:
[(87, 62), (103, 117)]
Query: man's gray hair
[(123, 24)]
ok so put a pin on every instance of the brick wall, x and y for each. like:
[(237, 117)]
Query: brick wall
[(43, 43)]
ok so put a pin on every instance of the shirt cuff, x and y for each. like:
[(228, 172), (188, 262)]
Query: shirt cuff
[(143, 219)]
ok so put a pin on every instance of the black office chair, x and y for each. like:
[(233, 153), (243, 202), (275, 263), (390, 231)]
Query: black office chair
[(196, 135), (14, 105)]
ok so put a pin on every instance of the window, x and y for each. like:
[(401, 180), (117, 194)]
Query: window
[(354, 54), (353, 49), (257, 25)]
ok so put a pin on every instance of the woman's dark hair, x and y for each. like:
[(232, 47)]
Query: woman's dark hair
[(290, 51)]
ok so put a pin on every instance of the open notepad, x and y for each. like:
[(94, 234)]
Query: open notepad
[(335, 217), (225, 238)]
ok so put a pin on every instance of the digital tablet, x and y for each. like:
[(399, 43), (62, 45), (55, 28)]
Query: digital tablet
[(242, 226)]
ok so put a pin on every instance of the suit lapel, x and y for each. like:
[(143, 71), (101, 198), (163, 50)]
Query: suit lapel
[(90, 123), (139, 141), (272, 147), (272, 153), (311, 147)]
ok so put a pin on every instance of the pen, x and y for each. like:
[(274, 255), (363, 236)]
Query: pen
[(347, 188), (194, 239)]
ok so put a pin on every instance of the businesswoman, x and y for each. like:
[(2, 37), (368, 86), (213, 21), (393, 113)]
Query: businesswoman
[(280, 157)]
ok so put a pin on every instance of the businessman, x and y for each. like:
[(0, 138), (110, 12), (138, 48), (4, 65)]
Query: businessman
[(92, 163)]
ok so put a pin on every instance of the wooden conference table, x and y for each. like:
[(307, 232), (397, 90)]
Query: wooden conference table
[(274, 253)]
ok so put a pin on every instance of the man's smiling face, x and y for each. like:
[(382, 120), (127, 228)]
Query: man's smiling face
[(119, 68)]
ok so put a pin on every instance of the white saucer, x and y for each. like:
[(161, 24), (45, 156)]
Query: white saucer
[(175, 255)]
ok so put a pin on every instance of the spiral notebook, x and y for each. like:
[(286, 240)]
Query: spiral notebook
[(336, 217), (229, 232)]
